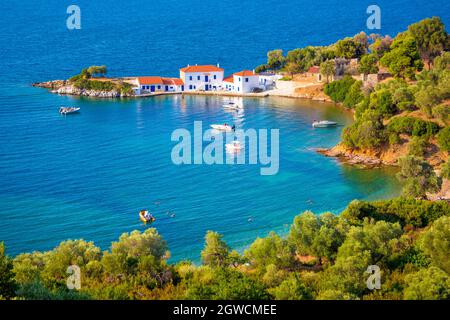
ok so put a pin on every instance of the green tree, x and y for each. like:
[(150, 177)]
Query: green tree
[(216, 252), (139, 258), (370, 244), (270, 250), (368, 64), (445, 170), (7, 283), (354, 95), (327, 69), (381, 45), (303, 231), (427, 98), (224, 284), (418, 177), (381, 101), (442, 112), (430, 37), (292, 68), (435, 243), (403, 98), (304, 58), (403, 60), (97, 70), (349, 48), (427, 284), (442, 62), (329, 237), (291, 289), (443, 138), (368, 132), (275, 59), (417, 147)]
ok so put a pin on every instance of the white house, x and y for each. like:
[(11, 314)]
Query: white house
[(202, 78), (267, 80), (242, 82), (145, 85), (173, 85)]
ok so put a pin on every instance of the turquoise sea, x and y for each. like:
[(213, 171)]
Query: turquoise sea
[(86, 176)]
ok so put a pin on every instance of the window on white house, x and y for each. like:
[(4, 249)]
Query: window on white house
[(198, 77), (190, 77), (246, 79), (215, 77)]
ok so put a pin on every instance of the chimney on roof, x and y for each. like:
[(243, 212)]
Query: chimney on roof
[(189, 65), (254, 71), (218, 65), (196, 64)]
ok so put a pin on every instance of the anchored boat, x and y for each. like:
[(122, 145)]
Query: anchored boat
[(222, 127), (324, 124), (232, 106), (68, 110), (146, 216)]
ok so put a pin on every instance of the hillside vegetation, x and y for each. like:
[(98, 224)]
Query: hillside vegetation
[(322, 257)]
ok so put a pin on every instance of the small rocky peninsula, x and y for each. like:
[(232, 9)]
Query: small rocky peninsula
[(66, 87)]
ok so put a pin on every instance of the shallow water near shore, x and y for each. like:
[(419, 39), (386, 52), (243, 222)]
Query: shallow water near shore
[(87, 175)]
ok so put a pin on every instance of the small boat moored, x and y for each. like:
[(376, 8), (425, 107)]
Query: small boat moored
[(146, 216), (232, 106), (324, 124), (68, 110), (223, 127)]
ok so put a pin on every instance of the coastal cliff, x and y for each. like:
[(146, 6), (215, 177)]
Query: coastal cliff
[(65, 87)]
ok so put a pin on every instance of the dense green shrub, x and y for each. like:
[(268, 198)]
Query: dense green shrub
[(403, 60), (412, 126), (444, 139), (7, 283), (445, 170), (368, 132), (354, 95), (404, 98), (406, 211), (94, 85), (417, 147), (418, 177), (441, 112), (381, 100), (337, 90)]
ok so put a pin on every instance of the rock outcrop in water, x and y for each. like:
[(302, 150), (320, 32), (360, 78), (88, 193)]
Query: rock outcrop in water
[(65, 87)]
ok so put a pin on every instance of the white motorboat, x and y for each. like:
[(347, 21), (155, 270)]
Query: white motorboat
[(234, 146), (222, 127), (324, 124), (68, 110), (232, 106)]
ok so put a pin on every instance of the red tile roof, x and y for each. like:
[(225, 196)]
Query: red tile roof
[(150, 80), (208, 68), (229, 79), (314, 69), (173, 81), (245, 73)]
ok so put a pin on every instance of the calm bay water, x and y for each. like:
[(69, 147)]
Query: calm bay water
[(86, 176)]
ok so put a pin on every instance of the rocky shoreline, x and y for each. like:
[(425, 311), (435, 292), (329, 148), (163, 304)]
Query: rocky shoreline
[(64, 87), (353, 157)]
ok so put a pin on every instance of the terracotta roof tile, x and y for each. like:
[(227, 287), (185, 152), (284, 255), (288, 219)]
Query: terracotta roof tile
[(208, 68)]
